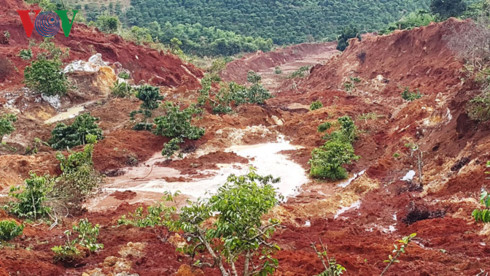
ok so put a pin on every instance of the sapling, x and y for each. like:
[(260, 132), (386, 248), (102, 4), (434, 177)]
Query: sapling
[(399, 249)]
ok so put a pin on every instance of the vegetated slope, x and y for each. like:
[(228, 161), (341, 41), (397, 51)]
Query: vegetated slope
[(146, 64), (285, 21)]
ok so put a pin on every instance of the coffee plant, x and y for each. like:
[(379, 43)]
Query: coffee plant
[(9, 229), (229, 225), (63, 136), (483, 215), (6, 124), (177, 122), (407, 95), (316, 105), (399, 249), (158, 215), (30, 200), (45, 76)]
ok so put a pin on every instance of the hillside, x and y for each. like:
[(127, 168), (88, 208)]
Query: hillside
[(416, 164), (285, 21)]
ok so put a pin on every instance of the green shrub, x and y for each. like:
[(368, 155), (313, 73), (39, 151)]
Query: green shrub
[(63, 136), (324, 127), (479, 107), (172, 146), (229, 225), (445, 9), (326, 161), (412, 20), (107, 23), (158, 215), (150, 96), (178, 123), (330, 264), (124, 75), (483, 215), (121, 89), (71, 251), (277, 70), (45, 76), (78, 178), (30, 201), (9, 229), (256, 94), (25, 54), (300, 73), (410, 96), (316, 105), (347, 33), (6, 124)]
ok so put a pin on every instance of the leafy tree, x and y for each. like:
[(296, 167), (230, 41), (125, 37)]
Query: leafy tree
[(229, 226), (347, 33), (64, 136), (78, 178), (9, 229), (6, 124), (178, 123), (30, 200), (447, 8), (108, 23), (45, 76)]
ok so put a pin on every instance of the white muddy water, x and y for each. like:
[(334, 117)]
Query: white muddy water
[(265, 157)]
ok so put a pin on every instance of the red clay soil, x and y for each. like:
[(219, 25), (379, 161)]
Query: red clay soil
[(190, 166), (145, 64), (237, 70)]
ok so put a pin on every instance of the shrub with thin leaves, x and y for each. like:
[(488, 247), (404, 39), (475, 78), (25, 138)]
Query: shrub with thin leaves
[(64, 136), (86, 240), (30, 199), (7, 124), (229, 225), (9, 229)]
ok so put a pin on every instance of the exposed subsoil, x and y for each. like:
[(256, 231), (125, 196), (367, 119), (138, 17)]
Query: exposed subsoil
[(359, 219)]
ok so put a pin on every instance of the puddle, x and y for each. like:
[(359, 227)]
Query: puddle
[(70, 113), (265, 157), (349, 181), (342, 210)]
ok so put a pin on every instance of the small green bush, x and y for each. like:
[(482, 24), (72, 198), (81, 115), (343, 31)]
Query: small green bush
[(6, 124), (9, 229), (483, 215), (25, 54), (158, 215), (172, 146), (300, 73), (45, 76), (324, 127), (410, 96), (278, 70), (124, 75), (63, 136), (150, 96), (479, 107), (316, 105), (326, 161), (121, 89), (178, 123), (30, 201), (347, 33), (71, 251)]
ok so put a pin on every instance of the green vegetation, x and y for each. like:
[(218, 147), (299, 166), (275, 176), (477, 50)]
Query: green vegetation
[(172, 146), (73, 250), (483, 215), (151, 98), (284, 21), (122, 89), (30, 201), (316, 105), (63, 136), (45, 76), (231, 94), (6, 124), (324, 126), (326, 161), (330, 264), (414, 19), (124, 75), (347, 33), (107, 23), (351, 85), (78, 178), (178, 123), (25, 54), (447, 8), (9, 229), (277, 70), (479, 107), (408, 95), (158, 215), (399, 249), (229, 225), (300, 73)]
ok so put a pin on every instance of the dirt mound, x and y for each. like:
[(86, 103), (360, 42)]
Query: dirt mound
[(145, 64), (237, 70)]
